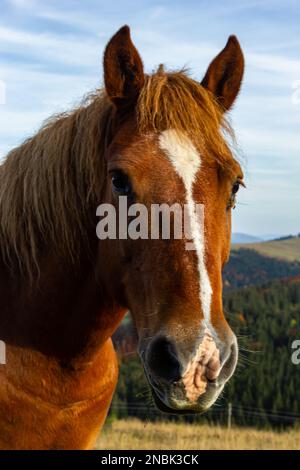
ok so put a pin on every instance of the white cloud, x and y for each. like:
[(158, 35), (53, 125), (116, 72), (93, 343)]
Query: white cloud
[(283, 66), (27, 4), (67, 49)]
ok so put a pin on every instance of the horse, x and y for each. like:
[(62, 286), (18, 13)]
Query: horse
[(158, 138)]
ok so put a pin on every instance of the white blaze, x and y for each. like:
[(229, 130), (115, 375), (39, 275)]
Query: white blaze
[(187, 162)]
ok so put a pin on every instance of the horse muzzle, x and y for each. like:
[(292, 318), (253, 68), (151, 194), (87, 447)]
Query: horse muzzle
[(185, 381)]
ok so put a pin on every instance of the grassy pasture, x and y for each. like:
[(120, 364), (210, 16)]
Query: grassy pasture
[(134, 435)]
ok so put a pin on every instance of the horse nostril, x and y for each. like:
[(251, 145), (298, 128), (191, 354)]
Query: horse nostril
[(162, 360)]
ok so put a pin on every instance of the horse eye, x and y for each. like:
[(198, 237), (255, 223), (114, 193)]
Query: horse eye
[(236, 187), (120, 183)]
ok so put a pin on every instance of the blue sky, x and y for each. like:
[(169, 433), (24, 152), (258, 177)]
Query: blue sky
[(51, 55)]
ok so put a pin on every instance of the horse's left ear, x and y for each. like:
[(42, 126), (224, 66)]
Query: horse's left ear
[(224, 75), (123, 70)]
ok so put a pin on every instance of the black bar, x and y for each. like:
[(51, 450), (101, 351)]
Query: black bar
[(138, 459)]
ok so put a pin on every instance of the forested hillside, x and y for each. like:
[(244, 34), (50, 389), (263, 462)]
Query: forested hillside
[(268, 320), (266, 387), (258, 263), (248, 267)]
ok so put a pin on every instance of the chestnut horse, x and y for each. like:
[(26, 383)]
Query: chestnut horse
[(154, 139)]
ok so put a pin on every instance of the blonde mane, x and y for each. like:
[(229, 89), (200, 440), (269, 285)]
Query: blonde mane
[(49, 184)]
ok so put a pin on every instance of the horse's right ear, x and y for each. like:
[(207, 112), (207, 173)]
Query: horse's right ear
[(123, 70), (225, 73)]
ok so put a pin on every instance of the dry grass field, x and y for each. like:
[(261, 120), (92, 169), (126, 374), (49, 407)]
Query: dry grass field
[(134, 435), (288, 249)]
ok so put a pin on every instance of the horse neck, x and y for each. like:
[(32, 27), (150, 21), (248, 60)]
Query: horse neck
[(66, 314)]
